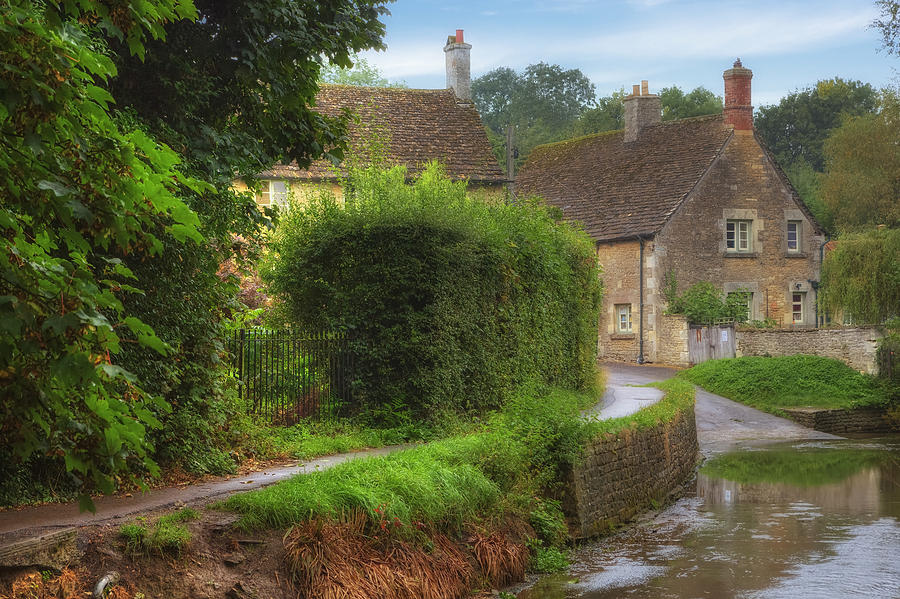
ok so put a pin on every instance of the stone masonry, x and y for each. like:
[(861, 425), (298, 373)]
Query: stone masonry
[(854, 346), (622, 475)]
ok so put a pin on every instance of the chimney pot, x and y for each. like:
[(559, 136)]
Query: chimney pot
[(645, 88), (459, 36), (635, 90)]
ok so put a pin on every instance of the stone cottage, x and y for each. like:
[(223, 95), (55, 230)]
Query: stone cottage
[(700, 199), (406, 126)]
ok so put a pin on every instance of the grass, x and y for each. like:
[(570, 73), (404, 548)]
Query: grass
[(772, 384), (166, 535), (520, 451), (803, 468)]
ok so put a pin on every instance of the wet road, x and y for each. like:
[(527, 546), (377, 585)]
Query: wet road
[(779, 511)]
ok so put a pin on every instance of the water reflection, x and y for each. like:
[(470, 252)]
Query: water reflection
[(805, 520)]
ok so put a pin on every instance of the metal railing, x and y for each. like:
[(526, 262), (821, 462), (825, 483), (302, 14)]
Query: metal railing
[(287, 375)]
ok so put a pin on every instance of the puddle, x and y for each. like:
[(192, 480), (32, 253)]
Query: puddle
[(786, 521)]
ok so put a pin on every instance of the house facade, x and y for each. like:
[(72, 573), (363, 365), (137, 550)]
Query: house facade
[(697, 199), (399, 126)]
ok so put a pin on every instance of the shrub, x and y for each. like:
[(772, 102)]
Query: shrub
[(454, 303), (704, 303)]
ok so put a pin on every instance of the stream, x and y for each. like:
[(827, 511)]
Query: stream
[(815, 519)]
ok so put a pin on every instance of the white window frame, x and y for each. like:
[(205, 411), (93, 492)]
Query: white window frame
[(796, 225), (271, 195), (624, 310), (798, 300), (740, 232)]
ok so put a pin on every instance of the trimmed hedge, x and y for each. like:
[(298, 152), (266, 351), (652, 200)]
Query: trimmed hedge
[(454, 302)]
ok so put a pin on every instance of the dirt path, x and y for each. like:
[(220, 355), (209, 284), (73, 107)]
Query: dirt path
[(15, 524)]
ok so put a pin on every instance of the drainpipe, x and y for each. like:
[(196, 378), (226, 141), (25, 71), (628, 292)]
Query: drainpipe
[(821, 317), (640, 359)]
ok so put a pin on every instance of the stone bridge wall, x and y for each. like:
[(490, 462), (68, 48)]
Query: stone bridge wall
[(622, 475)]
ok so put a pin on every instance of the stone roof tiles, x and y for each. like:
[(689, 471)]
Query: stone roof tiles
[(617, 189), (414, 126)]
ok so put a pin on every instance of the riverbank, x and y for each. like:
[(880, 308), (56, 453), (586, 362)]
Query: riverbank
[(474, 501)]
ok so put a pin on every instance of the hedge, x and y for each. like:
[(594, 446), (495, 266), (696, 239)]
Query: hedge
[(453, 302)]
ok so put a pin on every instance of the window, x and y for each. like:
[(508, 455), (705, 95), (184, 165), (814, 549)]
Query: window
[(798, 298), (623, 318), (273, 192), (793, 236), (745, 299), (737, 236)]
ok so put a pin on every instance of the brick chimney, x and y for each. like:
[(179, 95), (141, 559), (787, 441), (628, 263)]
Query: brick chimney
[(459, 79), (738, 111), (642, 109)]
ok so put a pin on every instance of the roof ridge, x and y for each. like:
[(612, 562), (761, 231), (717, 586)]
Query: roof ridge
[(691, 119), (389, 88)]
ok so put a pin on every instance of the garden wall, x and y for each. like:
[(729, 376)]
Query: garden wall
[(863, 420), (853, 346), (622, 475), (672, 340)]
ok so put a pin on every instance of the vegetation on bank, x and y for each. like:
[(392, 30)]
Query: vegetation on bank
[(166, 535), (794, 466), (774, 383), (489, 484)]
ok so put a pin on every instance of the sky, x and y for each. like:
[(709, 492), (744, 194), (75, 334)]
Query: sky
[(789, 44)]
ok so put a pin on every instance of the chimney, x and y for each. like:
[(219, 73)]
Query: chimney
[(738, 111), (642, 109), (459, 79)]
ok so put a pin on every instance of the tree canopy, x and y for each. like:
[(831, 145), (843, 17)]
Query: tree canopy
[(679, 105), (796, 127), (124, 123), (362, 73), (861, 183), (862, 276), (888, 23)]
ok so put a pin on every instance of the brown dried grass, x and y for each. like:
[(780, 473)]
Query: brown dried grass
[(68, 585), (338, 560), (501, 560)]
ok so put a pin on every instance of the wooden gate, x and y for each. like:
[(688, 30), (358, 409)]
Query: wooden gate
[(710, 342)]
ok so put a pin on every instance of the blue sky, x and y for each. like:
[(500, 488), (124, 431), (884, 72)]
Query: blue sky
[(789, 44)]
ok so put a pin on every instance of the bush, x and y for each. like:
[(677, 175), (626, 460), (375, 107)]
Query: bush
[(453, 303), (704, 303)]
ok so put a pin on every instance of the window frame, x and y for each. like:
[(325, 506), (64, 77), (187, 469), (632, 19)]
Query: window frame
[(268, 196), (797, 236), (801, 302), (620, 311), (737, 224)]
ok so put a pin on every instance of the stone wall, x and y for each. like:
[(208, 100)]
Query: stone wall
[(863, 420), (672, 340), (853, 346), (622, 475)]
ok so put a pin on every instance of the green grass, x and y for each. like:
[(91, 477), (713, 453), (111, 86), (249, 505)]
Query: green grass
[(520, 451), (166, 535), (771, 384), (804, 468)]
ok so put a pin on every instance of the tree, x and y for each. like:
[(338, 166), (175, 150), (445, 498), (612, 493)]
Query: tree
[(608, 115), (862, 276), (888, 24), (543, 103), (861, 184), (679, 105), (81, 191), (362, 73), (94, 202), (797, 126)]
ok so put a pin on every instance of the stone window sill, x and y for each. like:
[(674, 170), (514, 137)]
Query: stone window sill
[(796, 255), (616, 336), (741, 254)]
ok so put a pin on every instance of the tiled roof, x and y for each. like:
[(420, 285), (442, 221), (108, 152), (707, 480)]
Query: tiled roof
[(617, 189), (415, 126)]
